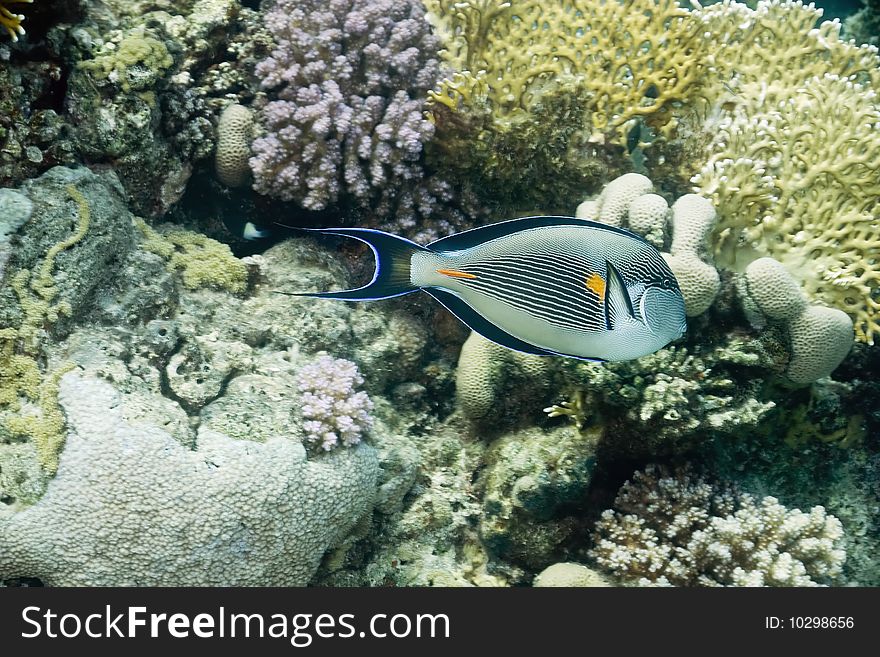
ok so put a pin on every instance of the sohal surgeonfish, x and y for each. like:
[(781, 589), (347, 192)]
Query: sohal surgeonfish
[(540, 285)]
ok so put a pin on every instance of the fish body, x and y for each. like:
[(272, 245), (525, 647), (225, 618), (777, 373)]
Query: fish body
[(541, 285)]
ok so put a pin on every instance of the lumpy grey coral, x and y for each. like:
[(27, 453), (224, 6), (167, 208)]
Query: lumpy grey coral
[(131, 506)]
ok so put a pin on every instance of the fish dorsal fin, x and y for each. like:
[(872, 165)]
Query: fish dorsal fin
[(617, 300), (482, 234)]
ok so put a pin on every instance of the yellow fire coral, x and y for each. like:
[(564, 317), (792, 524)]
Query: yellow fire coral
[(633, 58), (10, 21), (201, 261), (21, 375), (794, 152)]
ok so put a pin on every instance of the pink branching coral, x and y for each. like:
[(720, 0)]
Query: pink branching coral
[(347, 124), (333, 413), (679, 530)]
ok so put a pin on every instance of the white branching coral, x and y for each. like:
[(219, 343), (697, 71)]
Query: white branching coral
[(332, 411), (675, 529)]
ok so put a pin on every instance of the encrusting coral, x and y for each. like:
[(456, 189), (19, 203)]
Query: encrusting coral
[(677, 529), (78, 231), (201, 261), (131, 506), (21, 354)]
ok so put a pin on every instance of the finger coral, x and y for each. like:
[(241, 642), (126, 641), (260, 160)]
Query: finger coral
[(334, 415), (10, 21), (678, 529)]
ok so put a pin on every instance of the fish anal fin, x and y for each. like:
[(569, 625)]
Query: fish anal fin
[(479, 324)]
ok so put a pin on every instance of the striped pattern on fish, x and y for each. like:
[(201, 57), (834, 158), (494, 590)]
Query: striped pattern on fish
[(544, 285)]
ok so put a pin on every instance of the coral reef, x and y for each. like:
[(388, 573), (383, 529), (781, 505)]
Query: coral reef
[(197, 404), (677, 529), (145, 90), (430, 539), (820, 451), (257, 437)]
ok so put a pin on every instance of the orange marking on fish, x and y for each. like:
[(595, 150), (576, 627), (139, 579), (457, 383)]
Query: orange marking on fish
[(452, 273), (596, 285)]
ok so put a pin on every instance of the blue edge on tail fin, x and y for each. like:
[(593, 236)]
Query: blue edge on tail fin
[(392, 255)]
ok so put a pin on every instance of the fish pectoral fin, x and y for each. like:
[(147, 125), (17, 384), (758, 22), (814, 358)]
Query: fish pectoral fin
[(618, 304)]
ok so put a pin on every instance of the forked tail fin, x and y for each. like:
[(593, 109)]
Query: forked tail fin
[(393, 255)]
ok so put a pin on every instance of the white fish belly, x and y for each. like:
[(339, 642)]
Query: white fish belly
[(607, 345)]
